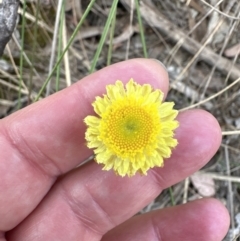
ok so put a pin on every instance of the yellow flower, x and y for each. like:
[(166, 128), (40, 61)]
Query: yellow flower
[(134, 131)]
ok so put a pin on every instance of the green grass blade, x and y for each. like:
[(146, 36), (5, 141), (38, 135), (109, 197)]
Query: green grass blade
[(21, 54), (66, 49), (32, 59), (141, 29), (104, 35), (60, 46), (171, 196), (109, 57)]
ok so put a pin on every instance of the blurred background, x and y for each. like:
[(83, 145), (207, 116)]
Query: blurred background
[(56, 43)]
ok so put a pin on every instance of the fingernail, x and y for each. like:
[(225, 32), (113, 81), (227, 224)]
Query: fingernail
[(160, 64)]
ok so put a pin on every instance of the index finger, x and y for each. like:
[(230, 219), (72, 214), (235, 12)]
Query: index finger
[(46, 139)]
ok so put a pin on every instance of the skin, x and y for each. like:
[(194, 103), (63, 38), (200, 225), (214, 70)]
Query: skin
[(44, 197)]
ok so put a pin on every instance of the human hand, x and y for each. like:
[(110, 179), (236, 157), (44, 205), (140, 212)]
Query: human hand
[(44, 197)]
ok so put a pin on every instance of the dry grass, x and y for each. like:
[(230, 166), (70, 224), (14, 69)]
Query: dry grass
[(194, 39)]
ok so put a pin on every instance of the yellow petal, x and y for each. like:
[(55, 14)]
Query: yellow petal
[(134, 131)]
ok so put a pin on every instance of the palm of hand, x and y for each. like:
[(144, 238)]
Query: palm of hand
[(46, 140)]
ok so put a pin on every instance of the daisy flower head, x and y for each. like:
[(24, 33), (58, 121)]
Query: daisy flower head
[(134, 129)]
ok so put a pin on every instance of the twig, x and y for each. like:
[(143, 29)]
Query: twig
[(228, 133), (33, 19), (66, 56), (213, 96), (220, 12), (231, 148), (230, 192), (25, 56), (14, 66), (201, 49), (11, 86), (130, 25), (156, 19), (185, 193), (222, 177), (234, 25), (54, 44), (6, 103)]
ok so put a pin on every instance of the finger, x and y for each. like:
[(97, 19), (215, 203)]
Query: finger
[(199, 138), (46, 139), (89, 201), (201, 220)]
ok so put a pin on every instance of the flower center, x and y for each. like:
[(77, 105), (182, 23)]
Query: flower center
[(129, 129)]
